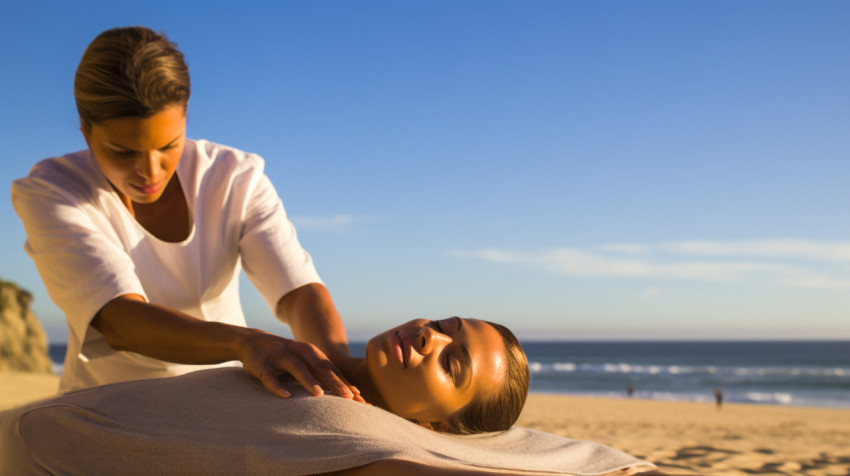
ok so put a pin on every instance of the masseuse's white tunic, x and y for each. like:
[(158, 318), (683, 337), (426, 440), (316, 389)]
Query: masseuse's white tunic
[(88, 250)]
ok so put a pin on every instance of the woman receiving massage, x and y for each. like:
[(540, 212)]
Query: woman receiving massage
[(453, 389)]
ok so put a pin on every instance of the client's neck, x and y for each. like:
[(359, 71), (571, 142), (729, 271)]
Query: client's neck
[(357, 374)]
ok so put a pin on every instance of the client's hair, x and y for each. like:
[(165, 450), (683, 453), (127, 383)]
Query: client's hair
[(500, 410), (129, 72)]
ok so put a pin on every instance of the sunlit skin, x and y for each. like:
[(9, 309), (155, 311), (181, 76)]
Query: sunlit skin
[(427, 370), (139, 157)]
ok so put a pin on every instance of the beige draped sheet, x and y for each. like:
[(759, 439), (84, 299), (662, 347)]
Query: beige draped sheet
[(222, 421)]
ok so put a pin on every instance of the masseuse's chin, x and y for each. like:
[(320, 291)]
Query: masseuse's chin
[(137, 196), (144, 200)]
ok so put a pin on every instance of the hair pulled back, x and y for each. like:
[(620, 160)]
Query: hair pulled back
[(129, 72), (498, 411)]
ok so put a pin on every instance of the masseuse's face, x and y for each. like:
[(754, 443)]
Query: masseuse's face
[(139, 155), (427, 370)]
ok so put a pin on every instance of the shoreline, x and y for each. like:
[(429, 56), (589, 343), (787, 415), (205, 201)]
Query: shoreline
[(704, 401), (681, 437)]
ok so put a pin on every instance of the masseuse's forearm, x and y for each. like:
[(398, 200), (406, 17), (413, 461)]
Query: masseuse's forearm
[(312, 316), (129, 323)]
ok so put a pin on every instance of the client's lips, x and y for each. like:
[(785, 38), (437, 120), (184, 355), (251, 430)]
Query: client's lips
[(402, 348)]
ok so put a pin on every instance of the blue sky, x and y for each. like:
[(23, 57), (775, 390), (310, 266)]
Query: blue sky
[(574, 170)]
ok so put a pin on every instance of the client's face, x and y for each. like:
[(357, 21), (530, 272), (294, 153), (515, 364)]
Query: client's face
[(427, 370)]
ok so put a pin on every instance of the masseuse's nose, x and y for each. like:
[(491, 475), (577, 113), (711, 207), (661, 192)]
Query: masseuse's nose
[(430, 340), (149, 165)]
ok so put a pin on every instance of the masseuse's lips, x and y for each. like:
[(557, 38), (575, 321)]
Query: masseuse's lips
[(149, 189)]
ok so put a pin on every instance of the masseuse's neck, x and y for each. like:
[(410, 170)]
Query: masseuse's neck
[(357, 373)]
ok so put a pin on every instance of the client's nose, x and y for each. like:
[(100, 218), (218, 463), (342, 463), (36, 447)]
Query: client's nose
[(430, 340)]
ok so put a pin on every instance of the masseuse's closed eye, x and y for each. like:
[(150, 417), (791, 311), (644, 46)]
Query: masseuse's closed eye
[(124, 153)]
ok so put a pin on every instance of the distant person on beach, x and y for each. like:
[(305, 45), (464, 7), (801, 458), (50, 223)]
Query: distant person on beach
[(630, 390), (141, 237), (718, 397)]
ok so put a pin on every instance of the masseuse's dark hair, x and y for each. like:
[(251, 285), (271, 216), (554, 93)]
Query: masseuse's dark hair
[(129, 72), (497, 411)]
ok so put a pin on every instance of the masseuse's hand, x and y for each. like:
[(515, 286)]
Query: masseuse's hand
[(267, 356)]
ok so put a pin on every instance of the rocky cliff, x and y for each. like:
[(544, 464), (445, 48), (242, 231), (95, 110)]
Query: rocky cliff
[(23, 343)]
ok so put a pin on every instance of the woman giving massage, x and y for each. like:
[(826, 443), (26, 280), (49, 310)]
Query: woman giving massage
[(140, 240)]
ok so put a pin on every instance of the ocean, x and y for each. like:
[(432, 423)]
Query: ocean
[(799, 373)]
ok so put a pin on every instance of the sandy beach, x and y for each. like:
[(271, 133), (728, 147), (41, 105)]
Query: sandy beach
[(18, 388), (680, 437), (696, 438)]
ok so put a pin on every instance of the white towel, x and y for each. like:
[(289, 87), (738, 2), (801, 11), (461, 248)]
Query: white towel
[(222, 421)]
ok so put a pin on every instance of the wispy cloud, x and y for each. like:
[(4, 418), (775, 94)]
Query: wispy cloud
[(815, 281), (783, 262), (626, 248), (330, 222), (775, 248)]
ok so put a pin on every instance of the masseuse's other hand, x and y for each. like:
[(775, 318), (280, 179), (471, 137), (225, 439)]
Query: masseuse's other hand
[(267, 356)]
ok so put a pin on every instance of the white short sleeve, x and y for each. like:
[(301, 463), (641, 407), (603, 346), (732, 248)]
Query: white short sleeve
[(89, 250), (272, 257), (82, 267)]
